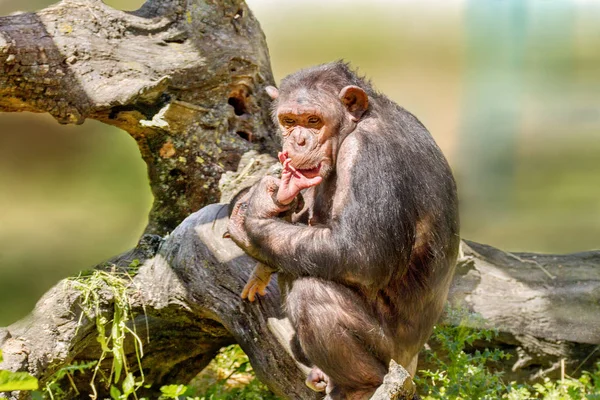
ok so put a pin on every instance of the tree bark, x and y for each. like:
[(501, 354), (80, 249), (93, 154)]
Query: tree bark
[(397, 385), (186, 80), (545, 307)]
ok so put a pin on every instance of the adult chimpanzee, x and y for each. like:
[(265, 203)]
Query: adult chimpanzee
[(366, 264)]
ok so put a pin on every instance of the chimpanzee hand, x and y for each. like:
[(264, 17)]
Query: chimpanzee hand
[(258, 202), (292, 181), (262, 199)]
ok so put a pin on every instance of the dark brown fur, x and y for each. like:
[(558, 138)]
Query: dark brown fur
[(368, 278)]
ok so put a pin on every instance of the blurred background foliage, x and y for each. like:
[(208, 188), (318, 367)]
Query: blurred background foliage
[(510, 90)]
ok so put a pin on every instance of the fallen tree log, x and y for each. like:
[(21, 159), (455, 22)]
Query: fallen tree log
[(187, 297), (185, 80), (545, 307)]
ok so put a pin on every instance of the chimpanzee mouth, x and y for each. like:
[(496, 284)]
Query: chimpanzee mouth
[(310, 172)]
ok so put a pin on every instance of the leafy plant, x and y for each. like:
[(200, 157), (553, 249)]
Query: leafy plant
[(229, 377), (586, 387), (173, 391), (53, 390), (93, 287), (460, 375), (129, 388)]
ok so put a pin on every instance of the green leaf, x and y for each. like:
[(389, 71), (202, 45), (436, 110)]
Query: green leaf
[(115, 393), (243, 367), (173, 391), (1, 359), (10, 381), (128, 384), (118, 364), (117, 349)]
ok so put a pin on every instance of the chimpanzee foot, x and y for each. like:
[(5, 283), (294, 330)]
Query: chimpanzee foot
[(317, 380)]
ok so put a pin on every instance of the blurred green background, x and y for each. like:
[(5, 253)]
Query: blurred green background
[(510, 90)]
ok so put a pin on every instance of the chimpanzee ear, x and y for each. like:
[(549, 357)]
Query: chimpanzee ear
[(272, 92), (356, 101)]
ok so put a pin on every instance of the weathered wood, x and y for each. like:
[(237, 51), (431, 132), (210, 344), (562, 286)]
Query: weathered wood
[(184, 79), (189, 295), (551, 296), (546, 307), (397, 385)]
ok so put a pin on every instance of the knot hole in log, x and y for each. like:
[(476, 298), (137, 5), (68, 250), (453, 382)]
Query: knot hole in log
[(238, 99)]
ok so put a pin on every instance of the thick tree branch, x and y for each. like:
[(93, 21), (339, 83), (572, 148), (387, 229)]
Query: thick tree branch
[(542, 295), (187, 295), (184, 79)]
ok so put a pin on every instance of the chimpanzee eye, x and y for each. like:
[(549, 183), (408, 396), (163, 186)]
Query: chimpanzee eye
[(314, 120), (288, 121)]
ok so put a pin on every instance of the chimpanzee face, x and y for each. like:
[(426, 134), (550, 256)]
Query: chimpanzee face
[(314, 122)]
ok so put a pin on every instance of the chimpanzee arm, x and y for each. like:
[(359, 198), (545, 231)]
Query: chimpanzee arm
[(354, 244), (298, 250)]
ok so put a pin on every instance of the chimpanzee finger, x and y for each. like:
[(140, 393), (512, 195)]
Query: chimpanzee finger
[(287, 166), (252, 293), (262, 290), (273, 184), (282, 156), (314, 181), (245, 292), (289, 170)]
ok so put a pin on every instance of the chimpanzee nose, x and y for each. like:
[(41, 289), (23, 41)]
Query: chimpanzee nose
[(302, 138)]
